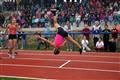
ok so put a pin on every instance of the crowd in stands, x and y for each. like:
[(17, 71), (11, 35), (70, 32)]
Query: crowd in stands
[(96, 15), (87, 11), (9, 5)]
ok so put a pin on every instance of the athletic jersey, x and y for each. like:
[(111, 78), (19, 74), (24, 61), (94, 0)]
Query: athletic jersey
[(59, 38), (12, 29)]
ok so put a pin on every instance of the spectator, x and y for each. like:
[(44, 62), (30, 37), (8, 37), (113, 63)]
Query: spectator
[(47, 33), (85, 43), (1, 38), (72, 19), (118, 28), (88, 12), (110, 19), (113, 41), (114, 32), (112, 45), (67, 27), (99, 45), (86, 31), (106, 37), (19, 38), (77, 19), (39, 42), (24, 42), (2, 19), (96, 32)]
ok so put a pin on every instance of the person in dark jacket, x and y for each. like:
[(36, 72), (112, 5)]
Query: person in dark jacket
[(113, 41), (114, 32), (106, 37), (86, 31), (2, 19)]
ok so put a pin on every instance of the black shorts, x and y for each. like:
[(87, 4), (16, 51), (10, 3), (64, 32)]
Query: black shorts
[(62, 32), (12, 36)]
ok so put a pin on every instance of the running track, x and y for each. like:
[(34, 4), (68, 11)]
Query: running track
[(65, 66)]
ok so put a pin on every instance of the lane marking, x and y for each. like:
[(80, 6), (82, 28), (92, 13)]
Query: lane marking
[(105, 62), (98, 56), (25, 77), (73, 55), (34, 51), (64, 64), (65, 68), (88, 69)]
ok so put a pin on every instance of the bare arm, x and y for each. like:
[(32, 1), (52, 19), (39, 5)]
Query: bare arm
[(7, 29), (18, 27), (51, 43)]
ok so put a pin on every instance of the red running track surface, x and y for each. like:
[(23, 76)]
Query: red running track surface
[(65, 66)]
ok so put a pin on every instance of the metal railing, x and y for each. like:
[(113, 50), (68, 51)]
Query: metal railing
[(27, 41)]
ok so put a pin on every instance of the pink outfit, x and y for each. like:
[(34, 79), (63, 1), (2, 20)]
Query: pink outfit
[(58, 40)]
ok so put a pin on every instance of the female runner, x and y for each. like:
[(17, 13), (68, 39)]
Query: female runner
[(12, 37)]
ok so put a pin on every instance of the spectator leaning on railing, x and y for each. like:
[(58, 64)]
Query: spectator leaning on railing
[(113, 41), (114, 32), (86, 31), (96, 29), (106, 37)]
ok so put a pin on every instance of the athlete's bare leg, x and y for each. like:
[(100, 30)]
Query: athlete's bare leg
[(46, 40), (69, 38)]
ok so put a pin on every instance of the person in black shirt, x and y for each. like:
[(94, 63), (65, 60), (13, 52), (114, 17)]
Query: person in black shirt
[(106, 37)]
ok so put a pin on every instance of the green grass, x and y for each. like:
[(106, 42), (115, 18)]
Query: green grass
[(6, 78)]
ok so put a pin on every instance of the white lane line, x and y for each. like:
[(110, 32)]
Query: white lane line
[(35, 59), (64, 64), (38, 51), (65, 68), (88, 69), (73, 55), (41, 54), (24, 77), (21, 65), (105, 62)]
